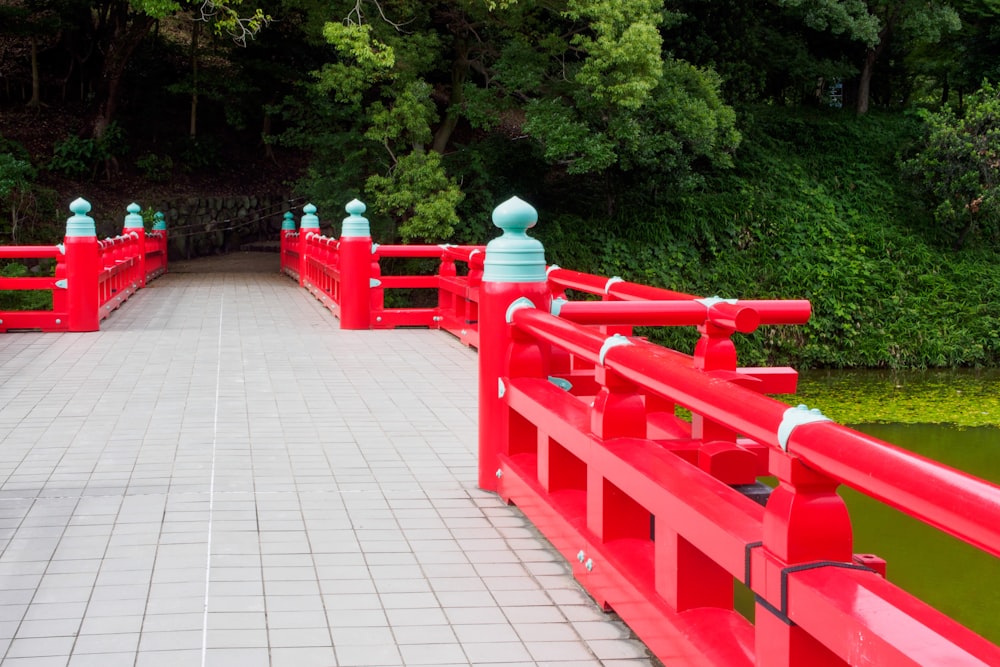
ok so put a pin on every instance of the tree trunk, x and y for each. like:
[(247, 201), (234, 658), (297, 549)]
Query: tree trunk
[(459, 73), (871, 56), (120, 48), (865, 81), (193, 127), (36, 87)]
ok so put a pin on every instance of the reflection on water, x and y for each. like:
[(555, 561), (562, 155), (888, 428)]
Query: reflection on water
[(958, 579)]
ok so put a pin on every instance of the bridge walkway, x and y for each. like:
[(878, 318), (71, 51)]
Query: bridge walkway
[(222, 477)]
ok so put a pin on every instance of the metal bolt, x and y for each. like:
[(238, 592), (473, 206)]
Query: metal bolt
[(499, 473), (589, 565), (581, 556)]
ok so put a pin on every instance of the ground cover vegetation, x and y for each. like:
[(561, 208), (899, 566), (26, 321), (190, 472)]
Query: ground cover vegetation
[(842, 151)]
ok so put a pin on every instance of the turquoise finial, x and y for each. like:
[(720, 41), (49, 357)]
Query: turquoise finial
[(288, 222), (133, 220), (309, 218), (159, 223), (80, 224), (355, 224), (514, 257)]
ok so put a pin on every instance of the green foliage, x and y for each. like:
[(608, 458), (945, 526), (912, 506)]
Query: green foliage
[(420, 194), (197, 153), (156, 168), (16, 175), (22, 299), (805, 214), (624, 62), (957, 165), (76, 156)]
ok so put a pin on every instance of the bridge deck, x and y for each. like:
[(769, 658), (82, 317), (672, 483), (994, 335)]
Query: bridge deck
[(223, 477)]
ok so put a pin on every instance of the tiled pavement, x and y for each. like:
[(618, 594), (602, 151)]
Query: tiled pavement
[(222, 477)]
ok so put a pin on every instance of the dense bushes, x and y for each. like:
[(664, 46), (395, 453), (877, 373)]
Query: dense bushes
[(816, 209)]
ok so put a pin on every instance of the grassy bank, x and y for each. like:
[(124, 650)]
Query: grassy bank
[(814, 209)]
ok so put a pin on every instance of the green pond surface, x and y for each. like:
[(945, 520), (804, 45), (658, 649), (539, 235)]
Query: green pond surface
[(951, 417)]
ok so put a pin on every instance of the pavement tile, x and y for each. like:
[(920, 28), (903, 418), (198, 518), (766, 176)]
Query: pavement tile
[(338, 532)]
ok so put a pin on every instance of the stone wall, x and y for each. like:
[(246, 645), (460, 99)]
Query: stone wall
[(202, 226)]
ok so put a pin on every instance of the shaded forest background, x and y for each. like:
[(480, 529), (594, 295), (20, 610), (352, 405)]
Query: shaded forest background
[(840, 151)]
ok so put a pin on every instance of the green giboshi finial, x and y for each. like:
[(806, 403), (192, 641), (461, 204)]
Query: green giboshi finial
[(515, 215), (288, 222), (133, 220), (80, 224), (309, 218), (514, 257), (355, 225), (159, 222)]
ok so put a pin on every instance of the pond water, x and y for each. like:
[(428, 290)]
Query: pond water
[(957, 579)]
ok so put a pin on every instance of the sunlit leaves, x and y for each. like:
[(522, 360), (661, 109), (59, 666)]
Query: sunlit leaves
[(624, 61), (407, 119), (364, 62), (419, 193)]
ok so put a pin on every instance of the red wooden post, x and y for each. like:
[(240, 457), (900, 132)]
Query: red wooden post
[(514, 268), (160, 227), (134, 224), (308, 227), (287, 227), (805, 522), (355, 269), (82, 269)]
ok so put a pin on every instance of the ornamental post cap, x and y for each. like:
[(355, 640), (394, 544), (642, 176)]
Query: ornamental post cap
[(288, 221), (309, 218), (159, 224), (514, 257), (355, 225), (133, 220), (515, 215), (80, 224)]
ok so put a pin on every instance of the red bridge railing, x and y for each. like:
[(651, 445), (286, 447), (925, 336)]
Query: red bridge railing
[(641, 463), (346, 275), (92, 277)]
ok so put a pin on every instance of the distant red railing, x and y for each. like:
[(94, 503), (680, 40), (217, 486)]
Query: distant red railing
[(92, 277), (346, 275), (660, 510)]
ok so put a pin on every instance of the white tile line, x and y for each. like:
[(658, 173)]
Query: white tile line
[(211, 484)]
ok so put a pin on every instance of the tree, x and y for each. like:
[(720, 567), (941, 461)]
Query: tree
[(873, 23), (958, 165), (108, 32), (587, 80)]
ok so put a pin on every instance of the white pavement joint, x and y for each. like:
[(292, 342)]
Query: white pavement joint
[(211, 484)]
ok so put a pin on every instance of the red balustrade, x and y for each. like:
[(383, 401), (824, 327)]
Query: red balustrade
[(660, 514), (346, 275), (92, 277)]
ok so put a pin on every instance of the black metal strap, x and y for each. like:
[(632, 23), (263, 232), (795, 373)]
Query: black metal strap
[(746, 561), (782, 612)]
